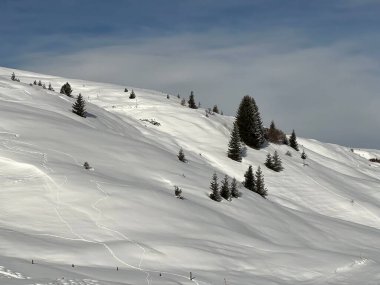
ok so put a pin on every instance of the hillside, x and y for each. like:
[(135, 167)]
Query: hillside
[(319, 225)]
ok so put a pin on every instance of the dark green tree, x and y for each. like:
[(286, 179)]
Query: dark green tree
[(293, 141), (13, 76), (66, 89), (215, 109), (191, 101), (214, 186), (35, 82), (269, 161), (50, 87), (249, 181), (125, 89), (79, 107), (181, 155), (132, 95), (225, 189), (234, 189), (303, 156), (277, 163), (234, 146), (260, 185), (259, 137), (39, 83)]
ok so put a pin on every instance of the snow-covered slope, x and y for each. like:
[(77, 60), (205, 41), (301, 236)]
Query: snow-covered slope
[(320, 224)]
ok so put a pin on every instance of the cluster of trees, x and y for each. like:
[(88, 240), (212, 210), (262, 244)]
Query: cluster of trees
[(226, 191), (255, 182), (43, 85), (274, 162), (275, 135)]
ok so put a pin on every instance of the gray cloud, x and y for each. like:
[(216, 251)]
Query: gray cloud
[(327, 92)]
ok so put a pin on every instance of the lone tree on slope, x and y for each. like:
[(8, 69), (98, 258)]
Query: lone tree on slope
[(234, 189), (132, 95), (303, 156), (13, 76), (191, 101), (249, 181), (277, 163), (225, 189), (293, 141), (234, 146), (269, 161), (79, 107), (66, 89), (181, 155), (214, 186), (260, 185), (215, 109)]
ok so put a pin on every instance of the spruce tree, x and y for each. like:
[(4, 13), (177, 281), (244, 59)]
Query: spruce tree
[(234, 189), (225, 189), (132, 95), (259, 137), (234, 146), (269, 161), (181, 155), (191, 101), (183, 102), (50, 87), (260, 185), (214, 186), (13, 76), (125, 90), (277, 163), (39, 83), (66, 89), (35, 82), (249, 181), (303, 156), (215, 109), (293, 141), (285, 140), (79, 107)]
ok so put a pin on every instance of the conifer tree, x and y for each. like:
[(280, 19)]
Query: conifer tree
[(44, 86), (13, 76), (234, 189), (39, 83), (285, 140), (35, 82), (191, 101), (234, 146), (181, 155), (214, 186), (269, 161), (303, 156), (277, 163), (183, 102), (259, 137), (125, 89), (167, 96), (132, 95), (50, 87), (79, 107), (225, 189), (293, 141), (66, 89), (215, 109), (249, 181), (260, 185)]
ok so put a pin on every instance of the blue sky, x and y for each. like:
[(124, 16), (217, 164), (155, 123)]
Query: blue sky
[(311, 65)]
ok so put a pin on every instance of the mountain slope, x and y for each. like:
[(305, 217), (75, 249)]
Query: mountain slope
[(319, 225)]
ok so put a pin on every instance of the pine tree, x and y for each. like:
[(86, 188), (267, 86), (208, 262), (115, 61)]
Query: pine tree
[(44, 86), (225, 189), (215, 109), (214, 186), (35, 82), (234, 189), (125, 90), (132, 95), (13, 76), (260, 185), (178, 192), (285, 140), (66, 89), (303, 156), (79, 107), (191, 101), (277, 163), (269, 161), (234, 146), (249, 181), (39, 83), (167, 96), (183, 102), (259, 128), (293, 141), (181, 155), (50, 87)]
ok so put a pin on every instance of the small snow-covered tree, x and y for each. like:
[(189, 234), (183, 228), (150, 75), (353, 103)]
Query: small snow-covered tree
[(214, 186), (234, 146), (79, 107), (225, 189), (132, 95), (39, 83), (181, 155), (293, 141), (66, 89), (303, 156), (178, 192), (183, 102), (50, 87), (269, 161), (277, 163), (13, 76), (215, 109), (234, 189), (167, 96), (86, 165), (191, 101), (35, 82), (260, 185), (249, 181), (125, 90)]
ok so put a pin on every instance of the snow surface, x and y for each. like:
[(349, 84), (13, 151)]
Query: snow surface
[(319, 225)]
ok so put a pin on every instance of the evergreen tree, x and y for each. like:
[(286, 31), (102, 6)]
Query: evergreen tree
[(50, 87), (214, 186), (167, 96), (225, 189), (79, 107), (277, 163), (125, 90), (293, 141), (44, 86), (181, 155), (249, 181), (13, 76), (178, 96), (66, 89), (234, 189), (183, 102), (132, 95), (285, 140), (303, 156), (215, 109), (260, 185), (191, 101), (259, 128), (234, 146), (86, 165), (178, 192), (35, 82), (39, 83), (269, 161)]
